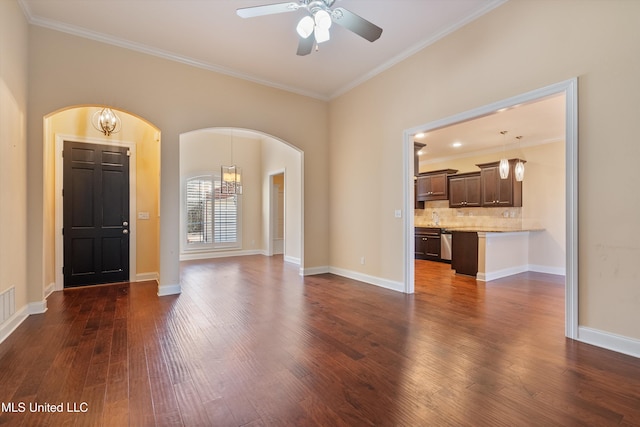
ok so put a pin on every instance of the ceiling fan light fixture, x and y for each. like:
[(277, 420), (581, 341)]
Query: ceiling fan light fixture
[(305, 27), (322, 34), (322, 19)]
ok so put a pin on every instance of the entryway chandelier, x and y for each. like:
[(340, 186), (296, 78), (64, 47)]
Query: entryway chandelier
[(106, 121)]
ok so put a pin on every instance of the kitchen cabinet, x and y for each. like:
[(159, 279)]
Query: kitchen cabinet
[(427, 243), (498, 192), (465, 190), (433, 185), (464, 252)]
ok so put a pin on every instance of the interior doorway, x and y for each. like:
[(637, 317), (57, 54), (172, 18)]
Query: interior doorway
[(569, 89), (277, 219), (138, 138)]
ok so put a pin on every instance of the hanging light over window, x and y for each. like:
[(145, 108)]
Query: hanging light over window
[(504, 162), (519, 168), (231, 176), (106, 121)]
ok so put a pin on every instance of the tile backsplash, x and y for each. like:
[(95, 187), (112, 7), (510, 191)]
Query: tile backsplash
[(438, 213)]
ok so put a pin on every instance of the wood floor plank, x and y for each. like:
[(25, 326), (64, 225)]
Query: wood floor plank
[(249, 342)]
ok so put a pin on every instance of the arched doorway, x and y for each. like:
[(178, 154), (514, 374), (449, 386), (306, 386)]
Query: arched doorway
[(261, 157), (142, 141)]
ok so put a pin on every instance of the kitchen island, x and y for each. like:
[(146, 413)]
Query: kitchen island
[(489, 253)]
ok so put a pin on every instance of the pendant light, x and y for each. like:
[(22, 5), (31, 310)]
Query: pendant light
[(504, 162), (231, 176), (519, 168), (106, 121)]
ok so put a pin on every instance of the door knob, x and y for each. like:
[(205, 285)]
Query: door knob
[(125, 231), (125, 223)]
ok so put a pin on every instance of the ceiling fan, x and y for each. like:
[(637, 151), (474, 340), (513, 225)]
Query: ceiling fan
[(320, 15)]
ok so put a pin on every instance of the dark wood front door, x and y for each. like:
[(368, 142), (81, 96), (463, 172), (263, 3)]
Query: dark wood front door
[(96, 214)]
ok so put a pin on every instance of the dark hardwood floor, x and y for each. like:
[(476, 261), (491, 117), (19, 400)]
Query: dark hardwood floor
[(250, 343)]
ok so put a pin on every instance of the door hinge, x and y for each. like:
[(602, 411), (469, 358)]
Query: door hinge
[(63, 231), (63, 192), (128, 153)]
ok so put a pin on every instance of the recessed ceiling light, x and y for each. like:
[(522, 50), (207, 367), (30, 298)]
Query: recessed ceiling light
[(456, 144)]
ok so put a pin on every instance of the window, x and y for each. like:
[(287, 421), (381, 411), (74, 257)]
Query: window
[(212, 217)]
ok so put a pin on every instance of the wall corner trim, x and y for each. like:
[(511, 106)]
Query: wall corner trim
[(37, 307), (169, 290), (310, 271), (609, 341)]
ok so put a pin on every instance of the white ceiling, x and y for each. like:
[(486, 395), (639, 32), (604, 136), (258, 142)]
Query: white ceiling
[(209, 34), (538, 122)]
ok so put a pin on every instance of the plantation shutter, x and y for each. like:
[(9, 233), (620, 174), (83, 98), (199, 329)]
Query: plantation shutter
[(212, 217)]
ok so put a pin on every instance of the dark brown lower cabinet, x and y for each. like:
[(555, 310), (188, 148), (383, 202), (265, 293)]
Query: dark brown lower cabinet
[(464, 252), (427, 243)]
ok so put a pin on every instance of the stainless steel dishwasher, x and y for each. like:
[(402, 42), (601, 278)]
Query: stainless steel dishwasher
[(445, 245)]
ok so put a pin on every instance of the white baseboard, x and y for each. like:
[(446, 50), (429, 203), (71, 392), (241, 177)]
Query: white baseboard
[(292, 260), (558, 271), (493, 275), (190, 256), (372, 280), (498, 274), (145, 277), (165, 290), (314, 270), (11, 324), (609, 341)]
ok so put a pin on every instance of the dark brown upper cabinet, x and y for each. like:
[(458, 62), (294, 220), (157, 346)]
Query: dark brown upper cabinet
[(498, 192), (433, 185), (465, 190)]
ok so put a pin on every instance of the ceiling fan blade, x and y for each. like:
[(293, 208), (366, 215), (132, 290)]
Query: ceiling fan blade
[(268, 9), (356, 23), (305, 46)]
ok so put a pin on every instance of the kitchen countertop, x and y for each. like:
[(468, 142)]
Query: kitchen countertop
[(484, 229)]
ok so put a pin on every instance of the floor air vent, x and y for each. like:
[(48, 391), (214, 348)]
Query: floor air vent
[(7, 304)]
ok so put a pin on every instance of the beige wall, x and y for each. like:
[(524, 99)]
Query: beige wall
[(13, 160), (518, 47), (176, 98), (75, 123)]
